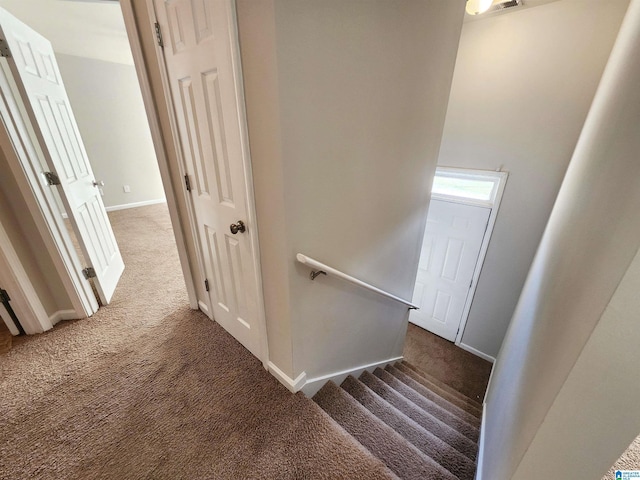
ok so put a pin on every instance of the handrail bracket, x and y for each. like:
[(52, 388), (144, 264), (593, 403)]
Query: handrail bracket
[(315, 273), (322, 269)]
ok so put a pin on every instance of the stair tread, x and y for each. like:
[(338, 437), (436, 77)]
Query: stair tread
[(421, 375), (403, 458), (437, 410), (453, 460), (449, 394), (460, 435), (430, 394)]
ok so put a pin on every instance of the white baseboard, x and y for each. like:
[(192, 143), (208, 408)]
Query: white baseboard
[(8, 321), (63, 315), (291, 384), (312, 385), (136, 204), (478, 353), (124, 206), (480, 458)]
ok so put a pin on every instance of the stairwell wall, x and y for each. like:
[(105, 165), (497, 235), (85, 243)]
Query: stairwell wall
[(521, 91), (561, 396), (345, 106)]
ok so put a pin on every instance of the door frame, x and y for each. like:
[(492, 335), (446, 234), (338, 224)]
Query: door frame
[(139, 18), (19, 148), (494, 204), (24, 299)]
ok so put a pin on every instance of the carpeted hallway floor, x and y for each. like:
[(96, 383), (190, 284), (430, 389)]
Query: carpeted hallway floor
[(149, 389), (461, 370)]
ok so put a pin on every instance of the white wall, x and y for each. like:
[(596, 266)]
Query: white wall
[(107, 104), (345, 104), (563, 396), (521, 90)]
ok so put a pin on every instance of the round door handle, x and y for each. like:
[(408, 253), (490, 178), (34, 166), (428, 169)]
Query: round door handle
[(237, 227), (98, 183)]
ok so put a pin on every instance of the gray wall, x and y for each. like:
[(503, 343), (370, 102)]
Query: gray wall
[(522, 88), (563, 396), (345, 104), (107, 104)]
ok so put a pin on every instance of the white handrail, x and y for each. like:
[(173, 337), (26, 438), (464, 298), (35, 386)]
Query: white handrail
[(326, 269)]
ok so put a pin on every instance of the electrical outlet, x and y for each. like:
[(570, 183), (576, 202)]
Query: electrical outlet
[(126, 189)]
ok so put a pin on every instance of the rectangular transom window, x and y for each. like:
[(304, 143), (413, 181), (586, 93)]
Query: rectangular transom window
[(465, 185)]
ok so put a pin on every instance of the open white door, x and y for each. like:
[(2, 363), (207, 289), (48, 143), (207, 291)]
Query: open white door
[(198, 38), (35, 71), (450, 249)]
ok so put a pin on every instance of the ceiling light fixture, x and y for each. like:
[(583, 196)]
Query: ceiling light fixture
[(476, 7)]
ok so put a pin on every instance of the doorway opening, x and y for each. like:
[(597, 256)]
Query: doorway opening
[(54, 104), (462, 212), (195, 112)]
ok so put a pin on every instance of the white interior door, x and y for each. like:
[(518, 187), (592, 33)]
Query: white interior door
[(38, 79), (197, 38), (450, 250)]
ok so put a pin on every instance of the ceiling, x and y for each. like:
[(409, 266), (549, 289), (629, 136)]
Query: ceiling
[(84, 28), (95, 28), (525, 4)]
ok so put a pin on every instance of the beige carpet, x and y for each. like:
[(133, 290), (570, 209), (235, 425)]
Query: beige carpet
[(461, 370), (5, 338), (629, 460), (149, 389)]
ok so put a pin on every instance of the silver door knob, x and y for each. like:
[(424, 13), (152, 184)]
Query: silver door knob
[(98, 183), (237, 227)]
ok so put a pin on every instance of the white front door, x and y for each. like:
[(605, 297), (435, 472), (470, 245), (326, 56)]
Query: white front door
[(197, 38), (35, 71), (450, 250)]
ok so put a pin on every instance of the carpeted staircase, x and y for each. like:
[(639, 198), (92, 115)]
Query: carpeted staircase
[(419, 427)]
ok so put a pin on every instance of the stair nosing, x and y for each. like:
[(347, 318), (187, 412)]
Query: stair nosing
[(411, 424), (407, 380), (462, 428), (425, 460), (444, 414), (436, 381)]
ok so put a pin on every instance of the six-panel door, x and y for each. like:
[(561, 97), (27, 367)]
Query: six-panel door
[(450, 250), (198, 57), (38, 79)]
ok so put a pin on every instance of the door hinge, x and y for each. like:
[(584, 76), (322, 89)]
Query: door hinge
[(206, 285), (89, 272), (159, 35), (187, 182), (51, 178), (5, 51)]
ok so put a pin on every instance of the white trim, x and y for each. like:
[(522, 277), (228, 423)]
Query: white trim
[(486, 240), (204, 308), (144, 203), (63, 315), (248, 174), (25, 302), (488, 389), (476, 352), (8, 321), (160, 133), (151, 69), (312, 385), (480, 457), (292, 385), (18, 147)]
